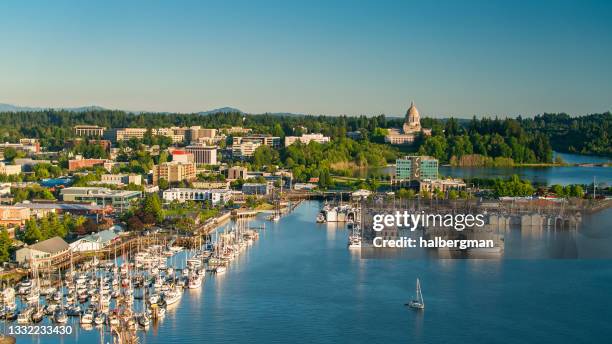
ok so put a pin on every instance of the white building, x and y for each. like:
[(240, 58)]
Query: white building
[(44, 253), (244, 149), (305, 139), (121, 179), (94, 242), (215, 196)]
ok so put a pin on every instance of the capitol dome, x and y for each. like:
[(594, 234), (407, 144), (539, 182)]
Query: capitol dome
[(412, 115)]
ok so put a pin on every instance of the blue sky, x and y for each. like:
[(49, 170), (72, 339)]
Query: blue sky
[(320, 57)]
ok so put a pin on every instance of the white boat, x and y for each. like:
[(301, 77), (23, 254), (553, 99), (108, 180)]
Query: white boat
[(195, 281), (417, 302), (87, 318), (25, 317), (220, 270), (173, 296), (100, 319)]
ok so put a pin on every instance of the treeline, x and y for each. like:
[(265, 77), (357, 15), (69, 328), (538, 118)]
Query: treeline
[(590, 134), (485, 142)]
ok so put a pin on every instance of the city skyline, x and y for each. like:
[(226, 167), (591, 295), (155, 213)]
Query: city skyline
[(451, 59)]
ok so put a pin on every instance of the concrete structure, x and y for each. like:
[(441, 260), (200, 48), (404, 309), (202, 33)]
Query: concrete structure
[(95, 241), (203, 155), (11, 215), (411, 128), (414, 167), (76, 164), (118, 199), (215, 196), (237, 172), (174, 172), (44, 253), (305, 139), (256, 188), (122, 179), (9, 170), (89, 130)]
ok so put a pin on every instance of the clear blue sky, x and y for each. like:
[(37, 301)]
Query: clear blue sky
[(320, 57)]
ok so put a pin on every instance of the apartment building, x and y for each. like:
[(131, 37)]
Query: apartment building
[(89, 131), (215, 196), (174, 172)]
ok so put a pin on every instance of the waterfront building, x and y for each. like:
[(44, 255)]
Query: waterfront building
[(174, 172), (215, 196), (44, 253), (94, 241), (89, 131), (118, 199), (415, 167), (245, 149), (237, 172), (409, 131), (121, 179), (77, 164), (203, 155), (12, 215), (444, 185), (256, 188)]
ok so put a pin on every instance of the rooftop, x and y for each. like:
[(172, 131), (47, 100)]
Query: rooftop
[(53, 245)]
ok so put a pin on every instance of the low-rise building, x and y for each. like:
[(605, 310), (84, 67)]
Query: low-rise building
[(211, 185), (9, 170), (11, 215), (306, 139), (245, 149), (215, 196), (267, 140), (237, 172), (77, 164), (94, 241), (122, 134), (256, 188), (121, 179), (89, 130), (45, 253), (41, 209), (416, 167), (118, 199), (444, 185)]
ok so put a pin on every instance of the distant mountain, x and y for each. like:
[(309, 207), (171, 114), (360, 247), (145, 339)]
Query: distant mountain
[(226, 109), (14, 108)]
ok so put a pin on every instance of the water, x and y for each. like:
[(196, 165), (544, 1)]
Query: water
[(562, 175), (300, 284)]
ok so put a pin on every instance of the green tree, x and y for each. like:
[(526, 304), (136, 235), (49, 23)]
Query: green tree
[(5, 245)]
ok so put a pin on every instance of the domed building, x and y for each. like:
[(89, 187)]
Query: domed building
[(409, 131)]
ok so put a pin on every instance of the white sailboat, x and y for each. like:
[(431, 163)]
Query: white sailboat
[(417, 302)]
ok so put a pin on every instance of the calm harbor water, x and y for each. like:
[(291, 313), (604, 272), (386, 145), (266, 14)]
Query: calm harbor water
[(300, 284), (563, 175)]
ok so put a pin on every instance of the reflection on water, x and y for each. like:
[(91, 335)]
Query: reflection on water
[(541, 175)]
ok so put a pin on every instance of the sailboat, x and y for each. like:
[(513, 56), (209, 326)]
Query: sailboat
[(418, 302)]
